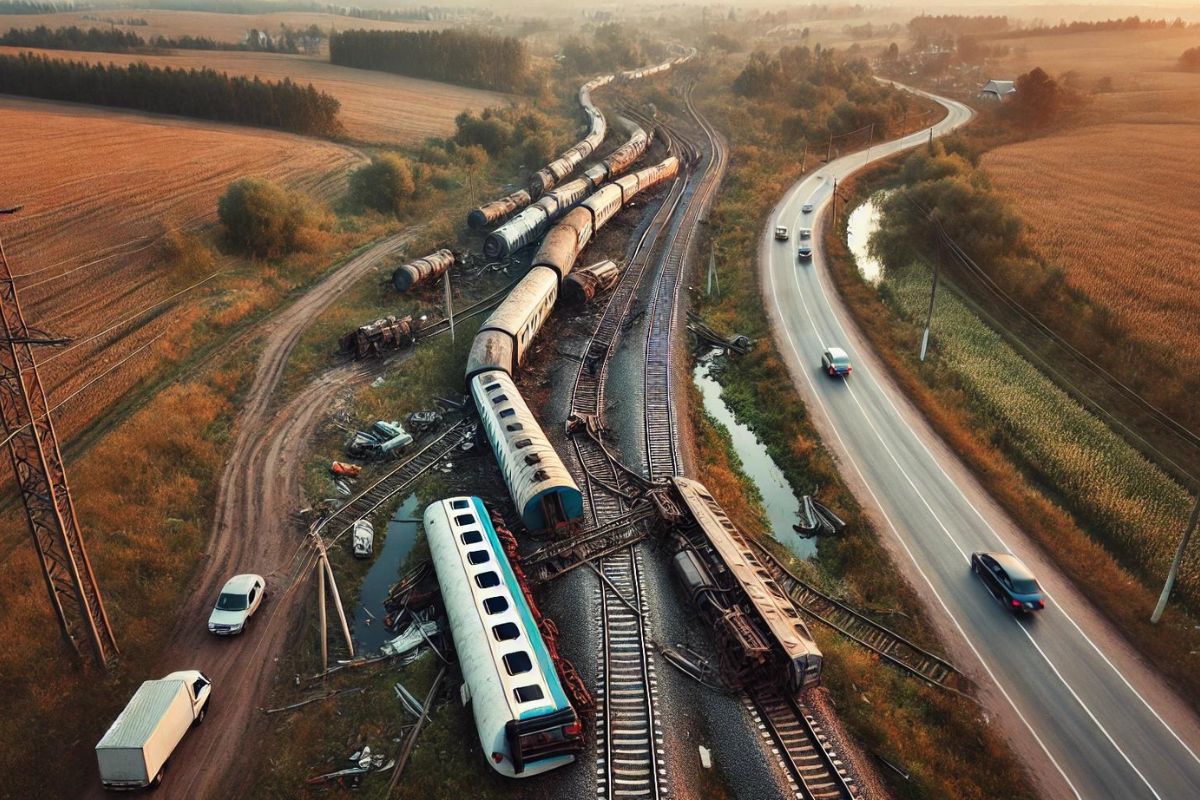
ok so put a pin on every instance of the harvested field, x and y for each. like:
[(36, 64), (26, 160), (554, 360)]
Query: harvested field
[(100, 190), (221, 27), (1123, 228), (1111, 199), (376, 106)]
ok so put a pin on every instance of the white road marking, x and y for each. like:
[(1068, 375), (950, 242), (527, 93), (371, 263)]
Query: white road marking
[(900, 539), (1004, 543)]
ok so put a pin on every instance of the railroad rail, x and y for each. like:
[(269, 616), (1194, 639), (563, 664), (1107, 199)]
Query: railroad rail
[(395, 480), (661, 432), (887, 644), (630, 760), (475, 309), (559, 558), (803, 749)]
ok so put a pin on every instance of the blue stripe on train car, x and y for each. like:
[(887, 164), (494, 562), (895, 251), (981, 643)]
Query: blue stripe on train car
[(545, 663), (534, 516)]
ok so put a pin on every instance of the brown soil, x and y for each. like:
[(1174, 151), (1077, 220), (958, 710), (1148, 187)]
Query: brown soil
[(376, 106), (255, 531)]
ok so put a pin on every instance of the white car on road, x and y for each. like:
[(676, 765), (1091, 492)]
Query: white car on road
[(240, 598), (806, 208)]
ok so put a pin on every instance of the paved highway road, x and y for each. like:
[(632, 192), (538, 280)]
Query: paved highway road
[(1082, 710)]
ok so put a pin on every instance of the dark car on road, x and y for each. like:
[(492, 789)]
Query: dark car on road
[(1009, 581), (805, 253)]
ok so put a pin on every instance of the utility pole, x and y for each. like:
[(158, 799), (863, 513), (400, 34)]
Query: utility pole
[(829, 148), (1173, 573), (321, 611), (870, 139), (932, 296), (449, 305), (835, 199), (803, 157), (42, 480), (713, 278)]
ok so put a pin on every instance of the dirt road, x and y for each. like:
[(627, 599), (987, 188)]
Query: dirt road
[(254, 531)]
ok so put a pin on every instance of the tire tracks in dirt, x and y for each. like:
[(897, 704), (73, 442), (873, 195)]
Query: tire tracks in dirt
[(254, 530)]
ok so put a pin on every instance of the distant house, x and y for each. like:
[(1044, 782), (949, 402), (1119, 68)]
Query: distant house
[(997, 90)]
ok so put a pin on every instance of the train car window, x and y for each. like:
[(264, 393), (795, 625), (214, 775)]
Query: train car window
[(533, 458), (541, 475), (491, 387), (506, 413), (472, 537), (495, 605), (517, 663), (527, 694), (487, 580), (457, 504), (464, 519), (522, 443), (506, 631), (500, 398), (513, 427), (478, 556)]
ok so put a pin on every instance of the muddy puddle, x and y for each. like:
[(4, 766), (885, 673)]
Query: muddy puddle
[(369, 631)]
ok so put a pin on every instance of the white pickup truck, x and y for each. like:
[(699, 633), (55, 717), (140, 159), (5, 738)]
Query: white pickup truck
[(134, 751)]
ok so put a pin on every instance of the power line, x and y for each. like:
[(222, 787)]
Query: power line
[(135, 315), (969, 263)]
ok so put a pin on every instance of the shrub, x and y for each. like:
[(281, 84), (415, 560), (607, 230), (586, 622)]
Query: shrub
[(1190, 60), (266, 221), (384, 185)]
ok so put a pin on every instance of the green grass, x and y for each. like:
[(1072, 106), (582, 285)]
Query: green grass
[(1136, 509)]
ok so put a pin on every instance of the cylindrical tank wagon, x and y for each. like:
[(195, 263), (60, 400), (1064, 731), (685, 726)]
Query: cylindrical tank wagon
[(582, 285), (417, 272)]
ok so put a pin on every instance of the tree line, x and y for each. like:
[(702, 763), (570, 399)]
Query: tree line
[(22, 7), (113, 40), (202, 93), (455, 56), (956, 25)]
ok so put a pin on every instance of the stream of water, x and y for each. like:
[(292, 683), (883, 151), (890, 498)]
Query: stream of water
[(370, 633)]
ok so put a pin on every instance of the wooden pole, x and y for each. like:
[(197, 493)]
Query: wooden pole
[(1174, 571), (337, 603), (321, 608), (411, 739), (449, 305)]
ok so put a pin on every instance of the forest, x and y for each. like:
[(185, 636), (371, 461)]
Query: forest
[(204, 93), (113, 40), (474, 59)]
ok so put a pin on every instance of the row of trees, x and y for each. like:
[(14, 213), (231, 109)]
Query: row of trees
[(109, 40), (114, 40), (24, 7), (456, 56), (940, 25), (202, 93)]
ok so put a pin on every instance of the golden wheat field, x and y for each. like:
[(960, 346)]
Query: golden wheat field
[(221, 27), (1112, 199), (101, 190), (376, 106)]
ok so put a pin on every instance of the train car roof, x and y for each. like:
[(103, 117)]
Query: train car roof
[(533, 635), (521, 303), (772, 604)]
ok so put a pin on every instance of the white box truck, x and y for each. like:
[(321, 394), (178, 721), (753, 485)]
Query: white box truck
[(134, 751)]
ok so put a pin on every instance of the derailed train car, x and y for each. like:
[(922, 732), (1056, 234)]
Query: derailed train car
[(531, 224), (526, 724), (759, 632), (506, 336), (583, 284), (542, 489), (421, 270)]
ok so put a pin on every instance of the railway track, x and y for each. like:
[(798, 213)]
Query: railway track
[(662, 436), (802, 749), (396, 480), (630, 761), (887, 644)]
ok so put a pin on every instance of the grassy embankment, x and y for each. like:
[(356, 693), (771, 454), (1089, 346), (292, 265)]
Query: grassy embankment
[(931, 735), (1107, 516)]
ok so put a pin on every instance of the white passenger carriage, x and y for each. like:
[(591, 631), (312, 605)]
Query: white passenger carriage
[(540, 485), (525, 723)]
